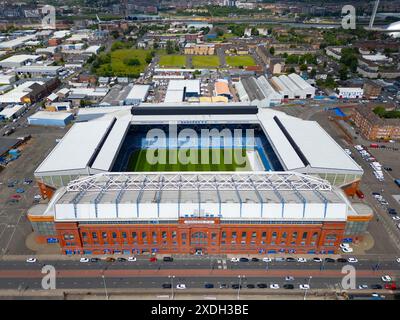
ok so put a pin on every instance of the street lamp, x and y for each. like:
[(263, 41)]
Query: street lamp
[(305, 293), (240, 284), (172, 286), (105, 287)]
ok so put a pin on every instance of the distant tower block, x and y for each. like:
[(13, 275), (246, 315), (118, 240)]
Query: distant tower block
[(371, 22)]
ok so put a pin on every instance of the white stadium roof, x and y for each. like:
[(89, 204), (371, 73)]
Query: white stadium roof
[(266, 196), (77, 148)]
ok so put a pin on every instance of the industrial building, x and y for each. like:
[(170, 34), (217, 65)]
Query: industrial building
[(181, 90), (19, 60), (12, 111), (137, 94), (40, 70), (258, 91), (48, 118), (292, 87), (222, 88), (349, 92)]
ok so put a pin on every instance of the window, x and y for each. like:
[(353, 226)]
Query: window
[(84, 235), (274, 234), (284, 235), (154, 234), (123, 234), (164, 235), (331, 237), (234, 235), (264, 235), (294, 235), (114, 235), (104, 235), (315, 236), (134, 235), (94, 235), (223, 235), (173, 234), (254, 235), (244, 234), (184, 236), (144, 235), (305, 235), (69, 237), (213, 236)]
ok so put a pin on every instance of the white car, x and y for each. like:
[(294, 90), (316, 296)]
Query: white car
[(84, 260), (234, 259), (131, 259), (352, 260), (363, 286), (289, 278), (396, 218), (37, 197), (31, 260), (181, 286), (386, 278), (301, 260), (398, 260), (347, 250), (304, 286), (344, 245), (274, 286), (267, 259), (317, 259)]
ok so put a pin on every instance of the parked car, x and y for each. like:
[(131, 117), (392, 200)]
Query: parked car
[(289, 278), (347, 250), (301, 260), (274, 286), (304, 286), (31, 260), (94, 259), (110, 259), (209, 286), (316, 259), (181, 286), (255, 259), (244, 260), (376, 286), (352, 260), (168, 259), (267, 259), (261, 285), (386, 278), (153, 259), (288, 286), (131, 259), (234, 259), (290, 259), (166, 286), (329, 260), (250, 286), (84, 260), (120, 259)]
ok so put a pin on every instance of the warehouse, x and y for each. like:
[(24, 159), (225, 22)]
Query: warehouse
[(293, 87), (349, 93), (16, 43), (48, 118), (17, 61), (258, 91), (137, 94), (180, 90), (40, 70), (12, 112), (222, 88)]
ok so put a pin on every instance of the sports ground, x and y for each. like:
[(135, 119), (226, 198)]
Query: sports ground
[(150, 160)]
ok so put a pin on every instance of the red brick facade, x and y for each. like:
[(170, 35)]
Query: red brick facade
[(206, 235)]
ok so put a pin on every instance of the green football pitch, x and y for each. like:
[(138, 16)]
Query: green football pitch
[(147, 160)]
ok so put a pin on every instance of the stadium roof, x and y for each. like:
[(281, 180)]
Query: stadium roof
[(78, 147), (238, 196)]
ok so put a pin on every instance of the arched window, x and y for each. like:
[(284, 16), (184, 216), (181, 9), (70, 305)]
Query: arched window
[(315, 236), (274, 235), (305, 235), (294, 235), (284, 235)]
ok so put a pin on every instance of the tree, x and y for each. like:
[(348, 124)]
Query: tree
[(254, 32), (272, 50), (343, 71), (219, 32), (132, 61), (303, 67), (313, 73), (169, 47)]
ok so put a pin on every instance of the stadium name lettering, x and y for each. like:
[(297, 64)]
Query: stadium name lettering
[(199, 221)]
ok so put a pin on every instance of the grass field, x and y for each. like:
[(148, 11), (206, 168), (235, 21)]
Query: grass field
[(138, 161), (205, 61), (237, 61), (172, 61), (117, 66)]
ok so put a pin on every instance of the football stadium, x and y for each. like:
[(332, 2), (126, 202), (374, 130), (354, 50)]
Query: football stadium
[(195, 178)]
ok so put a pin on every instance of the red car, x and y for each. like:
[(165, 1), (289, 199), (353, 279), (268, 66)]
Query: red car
[(153, 259), (390, 286), (16, 196)]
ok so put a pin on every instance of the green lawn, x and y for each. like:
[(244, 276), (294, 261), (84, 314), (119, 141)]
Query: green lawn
[(138, 161), (237, 61), (172, 61), (117, 67), (205, 61)]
